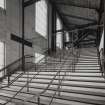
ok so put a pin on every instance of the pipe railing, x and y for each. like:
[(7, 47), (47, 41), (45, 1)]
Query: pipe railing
[(17, 66), (12, 69), (59, 86), (26, 71), (57, 74), (101, 61), (38, 95), (75, 58)]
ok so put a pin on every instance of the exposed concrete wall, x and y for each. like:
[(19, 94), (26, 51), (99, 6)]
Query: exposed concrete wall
[(2, 25), (10, 22)]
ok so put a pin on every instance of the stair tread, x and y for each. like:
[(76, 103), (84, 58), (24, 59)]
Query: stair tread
[(90, 101), (82, 86)]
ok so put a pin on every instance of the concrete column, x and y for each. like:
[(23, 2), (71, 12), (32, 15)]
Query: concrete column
[(53, 37)]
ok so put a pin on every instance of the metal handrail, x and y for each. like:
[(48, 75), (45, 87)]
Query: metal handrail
[(39, 94), (26, 85), (58, 89), (9, 72), (21, 89), (8, 69), (26, 56), (99, 61)]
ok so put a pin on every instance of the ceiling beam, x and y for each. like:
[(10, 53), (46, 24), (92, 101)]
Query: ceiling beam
[(79, 27), (78, 17), (90, 43), (75, 5), (30, 2), (83, 27), (81, 38), (64, 20), (88, 40)]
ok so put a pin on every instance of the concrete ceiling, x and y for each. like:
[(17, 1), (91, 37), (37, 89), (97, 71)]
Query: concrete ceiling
[(78, 12), (81, 15)]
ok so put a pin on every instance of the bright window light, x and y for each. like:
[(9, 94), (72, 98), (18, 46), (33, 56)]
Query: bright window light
[(2, 2), (59, 35), (67, 36), (1, 56), (41, 18), (38, 57)]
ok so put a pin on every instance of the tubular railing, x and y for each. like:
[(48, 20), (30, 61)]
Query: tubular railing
[(75, 58), (58, 87), (29, 81), (17, 66), (12, 69), (101, 61), (26, 71), (39, 94), (61, 57), (59, 84)]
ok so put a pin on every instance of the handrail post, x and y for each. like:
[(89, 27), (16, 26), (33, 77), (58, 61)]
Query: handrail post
[(59, 85), (99, 61), (8, 77), (38, 100), (35, 66), (27, 81), (46, 60)]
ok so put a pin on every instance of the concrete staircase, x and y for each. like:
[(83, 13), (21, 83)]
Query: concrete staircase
[(63, 86)]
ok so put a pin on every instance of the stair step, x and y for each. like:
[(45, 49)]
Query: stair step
[(82, 86), (80, 63), (78, 96), (82, 100), (98, 75), (95, 92), (73, 84)]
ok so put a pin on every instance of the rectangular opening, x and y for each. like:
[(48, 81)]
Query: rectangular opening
[(59, 37), (41, 17), (38, 57), (2, 57), (3, 4)]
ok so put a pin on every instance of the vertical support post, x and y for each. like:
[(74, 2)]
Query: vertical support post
[(60, 55), (59, 85), (8, 77), (63, 39), (23, 57), (38, 100), (104, 57), (4, 58), (46, 60), (72, 52), (53, 42), (27, 81), (8, 80)]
